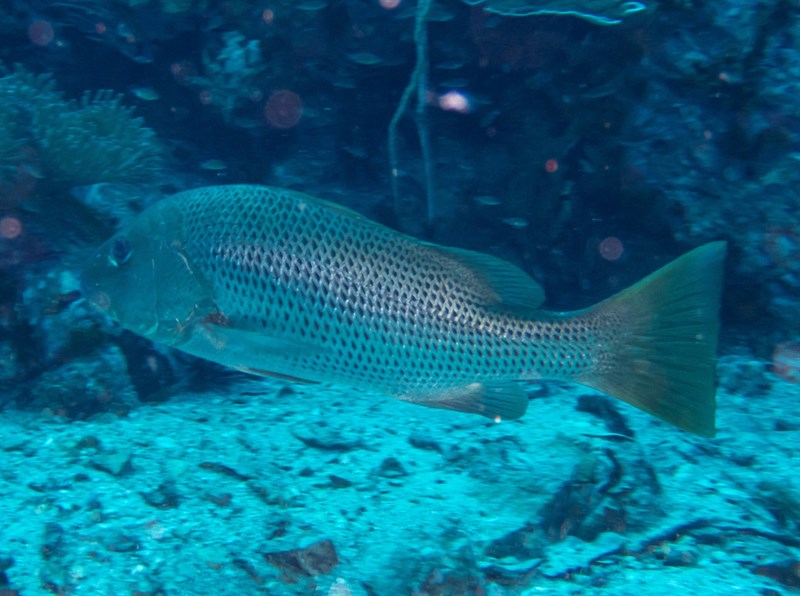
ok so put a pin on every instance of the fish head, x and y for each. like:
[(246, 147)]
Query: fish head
[(142, 278)]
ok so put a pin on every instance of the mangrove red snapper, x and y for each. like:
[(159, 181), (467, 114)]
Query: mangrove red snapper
[(273, 281)]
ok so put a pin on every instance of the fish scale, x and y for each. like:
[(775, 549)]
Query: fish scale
[(422, 307), (273, 281)]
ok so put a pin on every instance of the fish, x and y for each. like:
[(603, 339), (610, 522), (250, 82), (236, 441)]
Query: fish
[(275, 282), (214, 165), (517, 223), (145, 92)]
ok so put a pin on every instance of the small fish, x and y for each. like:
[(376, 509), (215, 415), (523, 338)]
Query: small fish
[(365, 58), (145, 93), (451, 64), (275, 282), (455, 83), (487, 200), (311, 5), (214, 165), (516, 222)]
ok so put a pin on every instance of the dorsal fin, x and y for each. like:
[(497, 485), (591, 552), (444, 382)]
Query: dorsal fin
[(512, 285)]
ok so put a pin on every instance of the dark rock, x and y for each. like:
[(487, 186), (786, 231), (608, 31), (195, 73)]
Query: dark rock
[(50, 485), (281, 499), (117, 541), (573, 554), (742, 376), (89, 442), (322, 436), (574, 501), (286, 391), (249, 569), (511, 572), (421, 441), (743, 459), (280, 529), (454, 574), (786, 572), (782, 502), (153, 371), (86, 386), (681, 557), (603, 408), (224, 470), (339, 482), (316, 559), (164, 497), (391, 468), (449, 582), (787, 425), (669, 532), (219, 499), (116, 463), (6, 563), (53, 541), (524, 544)]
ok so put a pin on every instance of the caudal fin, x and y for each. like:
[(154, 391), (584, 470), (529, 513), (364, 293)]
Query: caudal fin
[(664, 360)]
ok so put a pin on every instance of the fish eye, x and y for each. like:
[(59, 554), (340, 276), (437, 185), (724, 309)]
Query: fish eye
[(120, 251)]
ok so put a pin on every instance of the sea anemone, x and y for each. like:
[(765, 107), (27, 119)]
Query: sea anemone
[(96, 140), (70, 143)]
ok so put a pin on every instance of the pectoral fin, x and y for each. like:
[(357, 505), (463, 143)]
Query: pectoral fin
[(253, 342), (505, 401)]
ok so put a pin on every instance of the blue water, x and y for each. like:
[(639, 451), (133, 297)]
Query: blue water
[(588, 144)]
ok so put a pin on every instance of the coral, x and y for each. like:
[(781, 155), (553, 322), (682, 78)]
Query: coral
[(20, 92), (417, 83), (68, 143), (726, 161), (601, 12), (232, 74)]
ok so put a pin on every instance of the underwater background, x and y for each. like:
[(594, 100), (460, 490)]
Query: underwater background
[(589, 142)]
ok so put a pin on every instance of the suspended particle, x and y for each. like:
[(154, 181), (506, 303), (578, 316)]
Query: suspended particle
[(453, 101), (611, 248), (41, 33), (10, 228), (283, 109), (517, 223)]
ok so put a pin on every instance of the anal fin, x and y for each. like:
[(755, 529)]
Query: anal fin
[(504, 401)]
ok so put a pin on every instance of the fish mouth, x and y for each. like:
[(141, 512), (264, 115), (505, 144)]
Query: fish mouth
[(99, 299), (94, 294)]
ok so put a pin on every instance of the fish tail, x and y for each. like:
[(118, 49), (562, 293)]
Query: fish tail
[(662, 356)]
